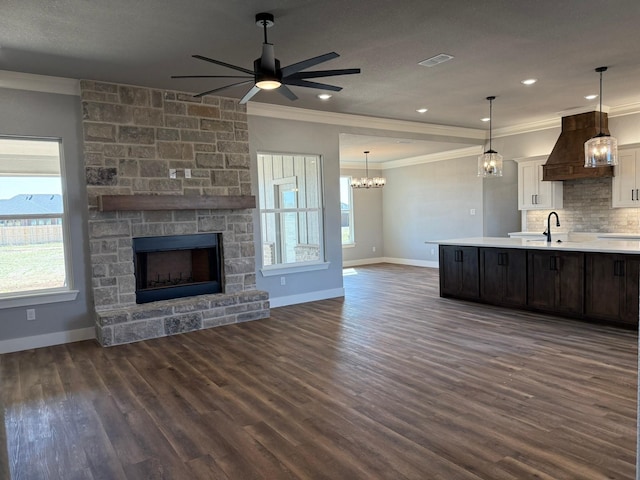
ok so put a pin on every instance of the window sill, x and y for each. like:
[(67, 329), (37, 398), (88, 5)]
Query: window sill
[(348, 245), (38, 298), (281, 270)]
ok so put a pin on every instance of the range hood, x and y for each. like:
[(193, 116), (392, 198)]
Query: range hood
[(566, 161)]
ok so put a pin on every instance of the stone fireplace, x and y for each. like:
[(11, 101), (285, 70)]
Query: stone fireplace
[(162, 165)]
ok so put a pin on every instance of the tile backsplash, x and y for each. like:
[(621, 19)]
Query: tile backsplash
[(587, 208)]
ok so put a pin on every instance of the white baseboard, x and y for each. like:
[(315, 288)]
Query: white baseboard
[(305, 297), (399, 261), (363, 261), (412, 262), (46, 340)]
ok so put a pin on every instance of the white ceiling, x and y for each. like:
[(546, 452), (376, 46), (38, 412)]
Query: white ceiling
[(496, 44)]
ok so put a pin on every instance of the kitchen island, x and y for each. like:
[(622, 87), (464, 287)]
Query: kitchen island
[(592, 280)]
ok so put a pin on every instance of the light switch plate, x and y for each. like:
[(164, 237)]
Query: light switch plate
[(173, 173)]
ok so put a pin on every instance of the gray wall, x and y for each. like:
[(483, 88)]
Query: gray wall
[(367, 219), (500, 202), (429, 202), (285, 136), (52, 115)]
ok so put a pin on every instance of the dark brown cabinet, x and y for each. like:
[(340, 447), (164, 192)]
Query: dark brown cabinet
[(459, 271), (503, 276), (556, 281), (612, 285)]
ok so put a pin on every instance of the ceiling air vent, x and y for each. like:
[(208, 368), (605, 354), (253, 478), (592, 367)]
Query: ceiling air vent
[(433, 61)]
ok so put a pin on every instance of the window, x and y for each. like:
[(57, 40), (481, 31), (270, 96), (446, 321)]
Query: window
[(33, 254), (346, 211), (290, 200)]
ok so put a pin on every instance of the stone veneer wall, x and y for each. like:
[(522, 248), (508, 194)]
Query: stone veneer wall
[(587, 208), (132, 137)]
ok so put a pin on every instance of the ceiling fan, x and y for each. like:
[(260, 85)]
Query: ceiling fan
[(267, 73)]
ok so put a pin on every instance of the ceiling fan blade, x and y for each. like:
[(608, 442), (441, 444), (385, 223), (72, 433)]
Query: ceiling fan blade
[(304, 83), (249, 95), (222, 88), (209, 76), (286, 91), (324, 73), (310, 62), (228, 65)]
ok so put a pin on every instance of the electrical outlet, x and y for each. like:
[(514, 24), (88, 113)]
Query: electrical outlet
[(472, 211), (187, 173), (283, 281), (373, 249), (433, 251), (173, 173), (31, 313)]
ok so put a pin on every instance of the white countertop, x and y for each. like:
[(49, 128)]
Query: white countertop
[(601, 245)]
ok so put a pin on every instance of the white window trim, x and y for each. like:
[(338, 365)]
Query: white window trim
[(298, 268), (51, 295), (282, 269), (351, 216), (39, 297)]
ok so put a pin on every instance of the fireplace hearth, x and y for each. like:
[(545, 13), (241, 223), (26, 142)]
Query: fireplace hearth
[(177, 266)]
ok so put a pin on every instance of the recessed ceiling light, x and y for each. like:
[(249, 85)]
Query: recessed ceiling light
[(422, 110), (433, 61), (529, 81), (485, 119), (591, 97), (324, 96)]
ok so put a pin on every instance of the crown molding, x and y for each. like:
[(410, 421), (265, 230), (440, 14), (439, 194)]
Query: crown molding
[(39, 83), (420, 159), (556, 122), (360, 121)]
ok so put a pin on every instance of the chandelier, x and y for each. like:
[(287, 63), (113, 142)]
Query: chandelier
[(490, 162), (601, 150), (366, 182)]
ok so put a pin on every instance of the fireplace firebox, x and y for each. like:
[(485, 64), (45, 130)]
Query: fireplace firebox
[(177, 266)]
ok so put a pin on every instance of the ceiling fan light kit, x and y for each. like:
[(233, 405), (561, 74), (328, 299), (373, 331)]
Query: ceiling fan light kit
[(267, 73)]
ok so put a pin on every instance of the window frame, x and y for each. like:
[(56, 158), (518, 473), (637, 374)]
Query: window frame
[(352, 229), (56, 294), (263, 185)]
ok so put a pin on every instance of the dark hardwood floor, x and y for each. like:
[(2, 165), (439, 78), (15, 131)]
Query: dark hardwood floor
[(391, 382)]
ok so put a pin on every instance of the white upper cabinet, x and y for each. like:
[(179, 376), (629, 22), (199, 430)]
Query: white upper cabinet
[(625, 186), (533, 193)]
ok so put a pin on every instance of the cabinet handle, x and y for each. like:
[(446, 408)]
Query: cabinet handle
[(533, 199), (553, 264), (632, 190), (618, 268), (536, 199), (458, 256), (505, 259)]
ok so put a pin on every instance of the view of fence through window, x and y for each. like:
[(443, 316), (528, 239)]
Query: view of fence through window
[(32, 254)]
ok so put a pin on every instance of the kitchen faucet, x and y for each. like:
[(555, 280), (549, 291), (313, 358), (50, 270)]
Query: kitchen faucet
[(547, 233)]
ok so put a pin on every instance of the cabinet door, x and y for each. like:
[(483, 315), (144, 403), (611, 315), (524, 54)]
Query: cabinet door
[(515, 289), (449, 270), (459, 275), (602, 288), (630, 279), (570, 282), (624, 186), (503, 276), (556, 281), (492, 275), (527, 185), (541, 287)]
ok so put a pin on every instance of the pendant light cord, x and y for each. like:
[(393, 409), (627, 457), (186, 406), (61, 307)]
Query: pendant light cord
[(490, 123), (366, 163), (601, 102)]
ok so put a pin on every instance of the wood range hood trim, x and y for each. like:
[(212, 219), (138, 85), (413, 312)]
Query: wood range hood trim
[(566, 161), (111, 203)]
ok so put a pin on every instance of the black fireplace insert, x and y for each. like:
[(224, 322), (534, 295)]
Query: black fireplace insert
[(177, 266)]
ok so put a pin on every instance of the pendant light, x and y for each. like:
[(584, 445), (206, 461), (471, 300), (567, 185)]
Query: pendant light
[(490, 162), (601, 150), (366, 182)]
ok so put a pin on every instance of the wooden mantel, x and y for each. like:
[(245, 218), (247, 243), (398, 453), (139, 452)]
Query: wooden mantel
[(110, 203)]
